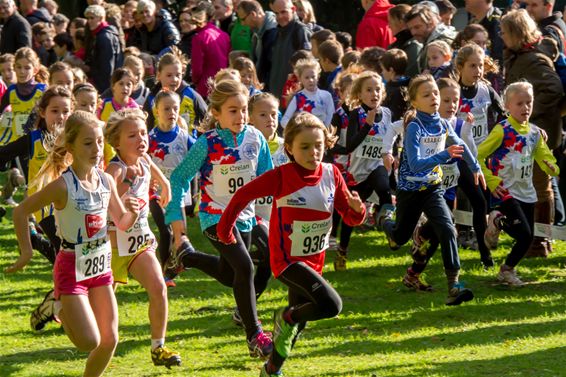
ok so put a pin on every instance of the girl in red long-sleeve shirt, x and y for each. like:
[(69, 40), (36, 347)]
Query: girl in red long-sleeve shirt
[(305, 192)]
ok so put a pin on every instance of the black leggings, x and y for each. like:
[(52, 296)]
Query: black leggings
[(260, 240), (165, 234), (233, 268), (518, 223), (377, 181)]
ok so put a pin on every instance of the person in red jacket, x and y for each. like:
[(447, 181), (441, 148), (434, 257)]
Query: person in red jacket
[(373, 29)]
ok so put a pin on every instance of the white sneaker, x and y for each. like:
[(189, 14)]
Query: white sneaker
[(509, 277), (491, 236)]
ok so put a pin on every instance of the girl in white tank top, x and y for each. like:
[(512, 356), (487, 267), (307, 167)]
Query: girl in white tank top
[(134, 249), (82, 196)]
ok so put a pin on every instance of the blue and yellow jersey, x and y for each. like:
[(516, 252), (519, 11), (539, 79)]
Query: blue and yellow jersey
[(21, 109), (38, 156), (186, 108)]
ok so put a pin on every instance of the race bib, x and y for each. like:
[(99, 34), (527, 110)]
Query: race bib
[(263, 207), (522, 167), (310, 237), (479, 127), (229, 178), (6, 119), (19, 122), (431, 145), (131, 240), (371, 148), (450, 175), (92, 259)]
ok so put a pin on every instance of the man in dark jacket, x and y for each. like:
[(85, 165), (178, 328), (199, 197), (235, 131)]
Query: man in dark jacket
[(264, 33), (292, 35), (105, 55), (157, 32), (33, 14), (16, 32), (550, 24)]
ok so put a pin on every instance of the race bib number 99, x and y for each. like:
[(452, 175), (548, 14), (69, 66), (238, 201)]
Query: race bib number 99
[(92, 260), (310, 237), (229, 178)]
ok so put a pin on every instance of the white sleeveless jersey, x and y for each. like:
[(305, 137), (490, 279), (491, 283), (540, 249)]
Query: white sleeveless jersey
[(367, 156), (478, 106), (84, 217)]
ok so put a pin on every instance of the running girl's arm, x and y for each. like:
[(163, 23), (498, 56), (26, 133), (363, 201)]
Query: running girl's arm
[(17, 148), (486, 149), (496, 108), (356, 134), (56, 193), (289, 112), (346, 203), (412, 149), (545, 159), (265, 185), (181, 178), (124, 214), (157, 174)]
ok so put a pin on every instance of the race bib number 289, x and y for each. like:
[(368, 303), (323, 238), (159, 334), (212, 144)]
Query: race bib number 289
[(92, 260)]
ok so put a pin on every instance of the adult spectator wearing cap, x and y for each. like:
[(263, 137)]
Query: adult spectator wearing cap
[(373, 29), (403, 38), (484, 13), (33, 13), (104, 53), (550, 23), (16, 32), (528, 57), (292, 35), (210, 47), (424, 24), (264, 33), (157, 33), (228, 21)]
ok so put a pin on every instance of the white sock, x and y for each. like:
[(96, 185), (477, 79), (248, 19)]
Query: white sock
[(157, 343)]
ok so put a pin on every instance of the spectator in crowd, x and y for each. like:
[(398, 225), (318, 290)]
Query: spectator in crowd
[(63, 46), (128, 21), (403, 38), (105, 53), (16, 31), (373, 29), (264, 33), (446, 11), (426, 27), (188, 31), (210, 47), (292, 35), (76, 23), (52, 7), (484, 13), (226, 16), (157, 33), (305, 12), (550, 23), (33, 13), (345, 39), (528, 57)]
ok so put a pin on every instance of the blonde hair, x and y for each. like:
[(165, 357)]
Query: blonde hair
[(59, 158), (412, 92), (516, 87), (243, 63), (308, 9), (113, 126), (521, 28), (464, 53), (261, 97), (304, 64), (219, 94), (442, 46), (354, 98), (29, 54), (170, 58), (301, 121)]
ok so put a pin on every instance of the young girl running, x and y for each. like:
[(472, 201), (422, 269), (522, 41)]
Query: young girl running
[(248, 74), (511, 149), (168, 145), (134, 250), (305, 192), (368, 123), (310, 99), (170, 77), (428, 142), (227, 156), (82, 196)]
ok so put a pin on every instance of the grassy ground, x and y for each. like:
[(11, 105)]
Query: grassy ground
[(384, 329)]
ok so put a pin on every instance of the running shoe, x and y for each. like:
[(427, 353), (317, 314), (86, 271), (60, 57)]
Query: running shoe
[(491, 236), (43, 313), (169, 282), (283, 334), (415, 281), (162, 356), (175, 260), (264, 372), (341, 259), (260, 345), (509, 277), (458, 294)]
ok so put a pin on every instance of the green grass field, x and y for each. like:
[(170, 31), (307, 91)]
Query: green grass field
[(383, 330)]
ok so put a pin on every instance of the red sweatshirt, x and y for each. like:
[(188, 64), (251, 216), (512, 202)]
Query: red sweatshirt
[(301, 216), (373, 29)]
